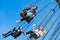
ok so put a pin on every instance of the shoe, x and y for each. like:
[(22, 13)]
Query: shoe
[(24, 33), (18, 21), (28, 38), (3, 36)]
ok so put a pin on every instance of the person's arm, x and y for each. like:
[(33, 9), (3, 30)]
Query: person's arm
[(43, 32), (32, 16), (33, 27), (23, 12)]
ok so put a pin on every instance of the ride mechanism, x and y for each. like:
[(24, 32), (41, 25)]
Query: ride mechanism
[(17, 32)]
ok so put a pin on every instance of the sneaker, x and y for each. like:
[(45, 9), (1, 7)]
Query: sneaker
[(28, 38), (18, 21), (24, 33), (3, 36)]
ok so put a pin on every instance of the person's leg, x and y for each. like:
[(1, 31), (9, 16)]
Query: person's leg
[(31, 35), (25, 33), (28, 20), (22, 19), (29, 32), (7, 34)]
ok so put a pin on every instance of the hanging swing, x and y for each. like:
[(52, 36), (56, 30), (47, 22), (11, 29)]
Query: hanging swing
[(28, 13), (14, 33)]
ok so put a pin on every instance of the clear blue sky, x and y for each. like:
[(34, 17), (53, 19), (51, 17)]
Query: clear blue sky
[(10, 10)]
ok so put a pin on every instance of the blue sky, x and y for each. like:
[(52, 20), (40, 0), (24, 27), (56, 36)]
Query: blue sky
[(10, 10)]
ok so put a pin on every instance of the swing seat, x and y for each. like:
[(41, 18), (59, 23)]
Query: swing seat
[(16, 34), (58, 1), (28, 15), (4, 36), (35, 37), (25, 18)]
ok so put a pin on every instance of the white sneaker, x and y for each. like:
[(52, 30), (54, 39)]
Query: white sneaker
[(28, 38), (24, 33), (18, 21), (3, 36)]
